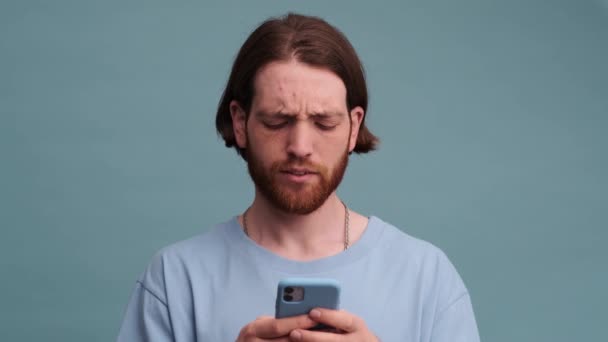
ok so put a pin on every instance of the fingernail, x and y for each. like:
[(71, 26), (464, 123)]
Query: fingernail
[(314, 313)]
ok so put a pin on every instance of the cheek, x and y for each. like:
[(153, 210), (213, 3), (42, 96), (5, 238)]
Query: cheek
[(265, 147), (334, 148)]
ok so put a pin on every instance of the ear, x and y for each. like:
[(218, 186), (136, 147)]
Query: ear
[(239, 124), (356, 118)]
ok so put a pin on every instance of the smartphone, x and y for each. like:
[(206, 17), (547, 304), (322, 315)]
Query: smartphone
[(297, 296)]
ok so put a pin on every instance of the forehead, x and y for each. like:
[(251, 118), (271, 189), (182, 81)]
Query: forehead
[(294, 87)]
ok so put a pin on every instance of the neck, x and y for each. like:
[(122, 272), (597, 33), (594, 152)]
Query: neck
[(298, 237)]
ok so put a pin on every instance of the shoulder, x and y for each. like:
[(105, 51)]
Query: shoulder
[(410, 254), (201, 253), (397, 241), (200, 246), (428, 281)]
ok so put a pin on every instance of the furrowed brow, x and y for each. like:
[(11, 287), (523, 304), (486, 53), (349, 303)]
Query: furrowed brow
[(268, 115), (283, 115)]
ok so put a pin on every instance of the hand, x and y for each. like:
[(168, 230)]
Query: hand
[(267, 328), (351, 328)]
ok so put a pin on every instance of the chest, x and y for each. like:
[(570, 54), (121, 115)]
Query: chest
[(393, 309)]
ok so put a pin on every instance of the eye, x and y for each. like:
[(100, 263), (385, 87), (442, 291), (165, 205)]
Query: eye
[(275, 125), (324, 126)]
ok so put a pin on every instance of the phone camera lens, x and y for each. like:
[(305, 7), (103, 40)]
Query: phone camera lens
[(287, 298), (289, 289)]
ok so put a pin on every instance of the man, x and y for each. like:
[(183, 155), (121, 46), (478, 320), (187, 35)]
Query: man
[(294, 109)]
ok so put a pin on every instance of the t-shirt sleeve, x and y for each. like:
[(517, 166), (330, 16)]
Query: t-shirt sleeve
[(146, 318), (454, 320), (456, 323)]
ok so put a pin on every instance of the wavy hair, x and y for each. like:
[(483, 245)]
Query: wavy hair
[(309, 40)]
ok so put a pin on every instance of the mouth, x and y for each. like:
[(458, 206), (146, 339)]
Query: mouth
[(298, 172)]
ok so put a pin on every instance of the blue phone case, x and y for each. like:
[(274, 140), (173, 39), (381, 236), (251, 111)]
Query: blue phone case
[(318, 292)]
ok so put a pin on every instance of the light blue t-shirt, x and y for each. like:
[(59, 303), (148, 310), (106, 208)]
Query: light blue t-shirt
[(208, 287)]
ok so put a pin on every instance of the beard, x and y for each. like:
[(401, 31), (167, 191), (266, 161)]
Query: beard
[(307, 197)]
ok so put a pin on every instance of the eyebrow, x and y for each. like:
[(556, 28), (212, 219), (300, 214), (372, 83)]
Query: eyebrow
[(319, 115), (328, 115)]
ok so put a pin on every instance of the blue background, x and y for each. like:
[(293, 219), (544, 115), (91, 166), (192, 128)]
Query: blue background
[(492, 115)]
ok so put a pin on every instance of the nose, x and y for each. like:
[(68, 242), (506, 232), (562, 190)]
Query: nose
[(300, 141)]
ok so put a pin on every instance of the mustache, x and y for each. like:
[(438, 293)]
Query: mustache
[(307, 165)]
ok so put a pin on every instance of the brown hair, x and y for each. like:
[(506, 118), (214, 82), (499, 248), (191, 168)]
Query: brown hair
[(309, 40)]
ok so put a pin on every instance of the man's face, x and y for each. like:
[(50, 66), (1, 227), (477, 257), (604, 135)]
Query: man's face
[(298, 134)]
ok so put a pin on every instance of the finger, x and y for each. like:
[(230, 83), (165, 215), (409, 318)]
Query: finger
[(339, 319), (273, 328), (300, 335)]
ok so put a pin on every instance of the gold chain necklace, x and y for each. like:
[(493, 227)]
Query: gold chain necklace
[(346, 225)]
